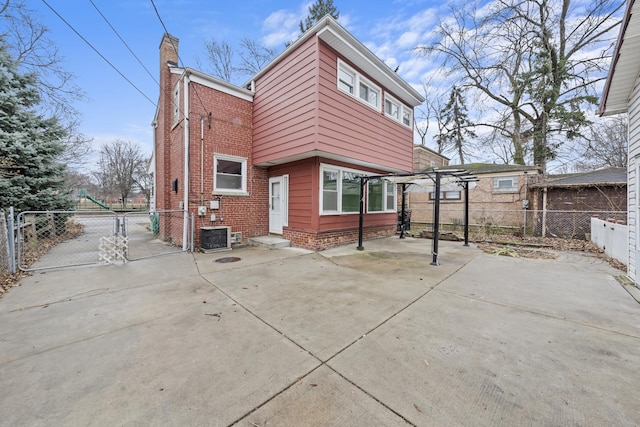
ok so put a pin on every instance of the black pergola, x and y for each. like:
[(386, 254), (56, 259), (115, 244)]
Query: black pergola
[(435, 177)]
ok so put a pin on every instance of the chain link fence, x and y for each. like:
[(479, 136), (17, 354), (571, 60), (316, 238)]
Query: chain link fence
[(6, 254), (485, 224), (157, 233), (51, 239)]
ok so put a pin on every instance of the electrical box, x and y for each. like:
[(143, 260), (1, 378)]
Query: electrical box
[(213, 217), (202, 210), (214, 204), (525, 204)]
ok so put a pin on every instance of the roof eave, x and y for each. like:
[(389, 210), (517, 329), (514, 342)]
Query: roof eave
[(620, 102), (336, 36)]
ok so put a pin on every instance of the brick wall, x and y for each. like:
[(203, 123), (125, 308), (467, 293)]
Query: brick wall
[(483, 203), (319, 240), (425, 158), (218, 123)]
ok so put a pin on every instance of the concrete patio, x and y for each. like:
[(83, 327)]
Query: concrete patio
[(287, 337)]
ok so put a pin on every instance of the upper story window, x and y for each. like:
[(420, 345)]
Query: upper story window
[(230, 174), (356, 85), (505, 184), (397, 111), (176, 104)]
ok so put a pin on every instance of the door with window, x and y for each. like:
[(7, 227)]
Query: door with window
[(277, 204)]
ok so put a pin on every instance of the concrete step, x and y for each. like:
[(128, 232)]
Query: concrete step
[(270, 242)]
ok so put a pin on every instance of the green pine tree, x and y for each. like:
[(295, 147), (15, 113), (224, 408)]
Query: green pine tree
[(31, 178), (317, 11), (456, 127)]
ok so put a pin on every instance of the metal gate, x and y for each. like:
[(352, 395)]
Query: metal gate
[(54, 239)]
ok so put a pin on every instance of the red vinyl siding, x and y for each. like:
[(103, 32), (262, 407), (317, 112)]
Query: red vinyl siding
[(284, 106), (298, 109), (352, 129)]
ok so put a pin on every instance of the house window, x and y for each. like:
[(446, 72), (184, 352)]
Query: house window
[(230, 174), (356, 85), (340, 190), (407, 116), (176, 104), (381, 196), (391, 108), (446, 195), (397, 111), (346, 80), (505, 184)]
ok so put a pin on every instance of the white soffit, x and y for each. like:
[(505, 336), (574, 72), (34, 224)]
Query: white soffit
[(625, 67)]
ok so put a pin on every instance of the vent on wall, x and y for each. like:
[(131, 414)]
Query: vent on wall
[(236, 237), (215, 238)]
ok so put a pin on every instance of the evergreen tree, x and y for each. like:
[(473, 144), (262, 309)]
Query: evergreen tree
[(317, 11), (31, 178), (456, 125)]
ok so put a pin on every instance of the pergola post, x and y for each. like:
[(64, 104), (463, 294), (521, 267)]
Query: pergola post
[(436, 220), (466, 213), (402, 211), (361, 220)]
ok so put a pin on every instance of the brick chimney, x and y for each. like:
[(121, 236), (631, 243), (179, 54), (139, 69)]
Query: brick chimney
[(164, 170), (168, 50)]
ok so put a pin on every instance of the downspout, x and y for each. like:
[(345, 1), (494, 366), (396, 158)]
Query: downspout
[(201, 159), (185, 228)]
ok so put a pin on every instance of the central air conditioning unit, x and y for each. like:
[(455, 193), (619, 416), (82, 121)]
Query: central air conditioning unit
[(215, 238)]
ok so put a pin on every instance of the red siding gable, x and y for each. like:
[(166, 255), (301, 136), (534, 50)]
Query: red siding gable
[(299, 113)]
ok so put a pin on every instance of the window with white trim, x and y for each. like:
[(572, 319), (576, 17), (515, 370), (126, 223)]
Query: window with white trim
[(176, 104), (381, 196), (446, 195), (358, 86), (407, 116), (397, 110), (505, 184), (340, 190), (230, 174)]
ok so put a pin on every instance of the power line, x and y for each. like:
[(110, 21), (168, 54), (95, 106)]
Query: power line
[(98, 52), (124, 42), (176, 50)]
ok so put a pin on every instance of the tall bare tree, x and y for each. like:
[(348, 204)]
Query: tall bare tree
[(35, 52), (119, 168), (429, 112), (605, 144), (222, 62), (30, 45), (538, 60), (219, 56)]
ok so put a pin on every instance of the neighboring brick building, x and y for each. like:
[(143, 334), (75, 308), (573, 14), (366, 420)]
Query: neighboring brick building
[(498, 195), (284, 154), (599, 190), (426, 158)]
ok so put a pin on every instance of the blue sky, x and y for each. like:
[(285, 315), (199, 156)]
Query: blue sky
[(116, 110)]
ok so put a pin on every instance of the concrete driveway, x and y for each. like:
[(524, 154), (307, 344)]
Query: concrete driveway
[(339, 338)]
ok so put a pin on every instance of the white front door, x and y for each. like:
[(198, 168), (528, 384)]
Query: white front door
[(275, 205)]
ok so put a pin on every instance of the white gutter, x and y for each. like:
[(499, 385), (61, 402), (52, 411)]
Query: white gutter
[(185, 228)]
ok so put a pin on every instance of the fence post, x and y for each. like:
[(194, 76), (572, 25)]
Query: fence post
[(11, 241)]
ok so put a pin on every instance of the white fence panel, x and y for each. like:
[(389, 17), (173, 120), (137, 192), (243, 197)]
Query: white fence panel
[(613, 238)]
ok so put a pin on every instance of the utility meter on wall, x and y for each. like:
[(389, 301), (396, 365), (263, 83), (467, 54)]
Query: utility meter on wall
[(525, 204)]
